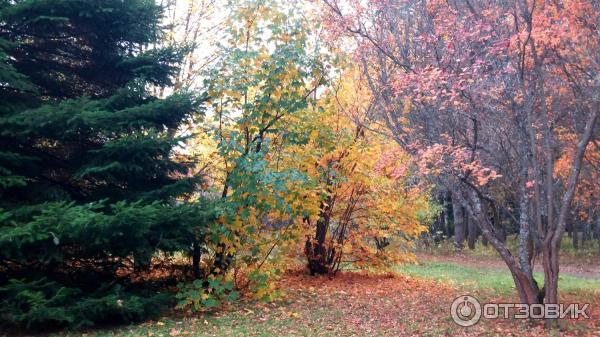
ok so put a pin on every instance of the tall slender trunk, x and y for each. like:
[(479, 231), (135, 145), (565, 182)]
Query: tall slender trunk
[(196, 256), (586, 233), (597, 231), (497, 224), (527, 287), (553, 238), (525, 249), (472, 236), (446, 215), (459, 223), (575, 234)]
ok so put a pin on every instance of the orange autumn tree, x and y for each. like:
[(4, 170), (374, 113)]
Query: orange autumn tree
[(586, 202), (502, 79), (368, 210)]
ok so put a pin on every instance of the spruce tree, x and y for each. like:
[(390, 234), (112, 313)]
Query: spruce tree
[(88, 184)]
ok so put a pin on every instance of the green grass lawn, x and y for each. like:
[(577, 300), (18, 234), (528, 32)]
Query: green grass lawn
[(484, 280)]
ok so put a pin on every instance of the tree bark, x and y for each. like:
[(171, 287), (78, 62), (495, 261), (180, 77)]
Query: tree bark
[(575, 235), (315, 250), (472, 236), (446, 214), (553, 238), (497, 224), (196, 256), (526, 285), (597, 231), (525, 249), (459, 223), (586, 233)]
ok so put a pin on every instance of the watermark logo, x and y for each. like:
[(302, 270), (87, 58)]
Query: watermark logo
[(466, 310)]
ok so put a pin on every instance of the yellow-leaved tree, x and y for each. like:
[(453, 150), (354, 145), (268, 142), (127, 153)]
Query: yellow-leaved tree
[(369, 207)]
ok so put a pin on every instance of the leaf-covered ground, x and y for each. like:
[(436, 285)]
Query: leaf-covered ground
[(359, 304)]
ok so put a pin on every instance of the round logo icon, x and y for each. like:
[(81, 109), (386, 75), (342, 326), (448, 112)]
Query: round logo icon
[(465, 310)]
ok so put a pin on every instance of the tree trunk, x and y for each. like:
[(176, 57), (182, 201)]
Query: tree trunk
[(315, 249), (526, 285), (459, 223), (552, 240), (527, 288), (597, 231), (551, 271), (196, 255), (472, 236), (586, 233), (446, 214), (575, 235), (486, 211), (497, 225)]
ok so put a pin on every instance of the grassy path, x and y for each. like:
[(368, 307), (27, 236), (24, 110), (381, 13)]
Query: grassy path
[(492, 279)]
